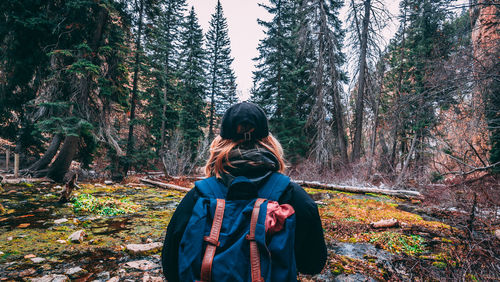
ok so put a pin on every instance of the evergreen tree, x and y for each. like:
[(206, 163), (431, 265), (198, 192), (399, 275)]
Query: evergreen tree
[(145, 11), (326, 117), (222, 87), (414, 55), (282, 79), (87, 76), (164, 88), (193, 64), (25, 26)]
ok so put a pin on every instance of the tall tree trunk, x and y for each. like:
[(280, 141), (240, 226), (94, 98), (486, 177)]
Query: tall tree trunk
[(165, 93), (406, 161), (49, 154), (395, 131), (130, 140), (356, 149), (211, 133), (61, 165)]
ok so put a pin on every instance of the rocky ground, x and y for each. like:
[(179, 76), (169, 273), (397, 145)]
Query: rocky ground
[(114, 232)]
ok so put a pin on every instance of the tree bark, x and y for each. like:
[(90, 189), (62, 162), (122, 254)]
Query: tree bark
[(61, 165), (211, 133), (407, 161), (130, 140), (356, 149), (49, 154)]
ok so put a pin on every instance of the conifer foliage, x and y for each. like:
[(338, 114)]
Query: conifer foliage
[(193, 76), (221, 78)]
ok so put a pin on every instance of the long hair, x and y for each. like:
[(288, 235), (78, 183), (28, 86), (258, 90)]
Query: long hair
[(220, 148)]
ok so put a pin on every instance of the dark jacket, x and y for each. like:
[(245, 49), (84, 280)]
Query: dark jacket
[(310, 249)]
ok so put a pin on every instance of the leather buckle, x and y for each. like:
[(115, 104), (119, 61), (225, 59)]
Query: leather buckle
[(250, 238), (211, 241)]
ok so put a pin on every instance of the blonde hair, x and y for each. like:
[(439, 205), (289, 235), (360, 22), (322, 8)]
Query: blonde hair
[(220, 148)]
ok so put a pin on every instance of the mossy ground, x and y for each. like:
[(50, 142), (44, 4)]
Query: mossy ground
[(347, 217), (115, 215), (111, 215)]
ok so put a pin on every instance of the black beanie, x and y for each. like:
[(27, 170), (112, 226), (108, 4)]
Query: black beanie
[(249, 116)]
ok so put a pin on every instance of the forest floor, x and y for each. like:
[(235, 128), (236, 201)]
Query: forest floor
[(35, 231)]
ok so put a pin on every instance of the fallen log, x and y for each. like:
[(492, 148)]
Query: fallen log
[(6, 180), (406, 194), (165, 185)]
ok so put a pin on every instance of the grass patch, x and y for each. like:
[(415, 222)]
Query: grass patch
[(399, 243), (105, 206)]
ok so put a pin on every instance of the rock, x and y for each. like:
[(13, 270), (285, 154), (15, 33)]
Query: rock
[(104, 275), (59, 221), (143, 249), (51, 278), (497, 234), (62, 241), (38, 260), (75, 272), (149, 278), (27, 272), (141, 265), (385, 223), (77, 237), (114, 279), (41, 210)]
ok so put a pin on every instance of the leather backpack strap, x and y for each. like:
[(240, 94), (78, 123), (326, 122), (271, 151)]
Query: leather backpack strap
[(254, 250), (212, 242)]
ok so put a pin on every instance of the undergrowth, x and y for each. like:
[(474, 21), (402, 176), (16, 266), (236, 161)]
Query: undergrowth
[(106, 206)]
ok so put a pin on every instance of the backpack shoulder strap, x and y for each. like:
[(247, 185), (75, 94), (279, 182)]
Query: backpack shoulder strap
[(274, 187), (211, 188)]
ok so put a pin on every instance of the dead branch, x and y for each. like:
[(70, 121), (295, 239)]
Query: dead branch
[(475, 169)]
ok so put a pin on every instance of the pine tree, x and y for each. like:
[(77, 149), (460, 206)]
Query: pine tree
[(326, 118), (24, 27), (87, 76), (163, 89), (222, 86), (414, 55), (193, 65), (282, 82)]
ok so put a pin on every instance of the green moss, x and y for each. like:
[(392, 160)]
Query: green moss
[(378, 195), (337, 269), (399, 243), (105, 206), (439, 264)]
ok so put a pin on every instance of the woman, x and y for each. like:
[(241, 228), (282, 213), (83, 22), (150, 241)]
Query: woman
[(246, 148)]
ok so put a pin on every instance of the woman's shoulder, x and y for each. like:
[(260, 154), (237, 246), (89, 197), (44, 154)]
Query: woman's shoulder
[(296, 196)]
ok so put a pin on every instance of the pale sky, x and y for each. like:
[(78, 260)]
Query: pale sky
[(245, 33)]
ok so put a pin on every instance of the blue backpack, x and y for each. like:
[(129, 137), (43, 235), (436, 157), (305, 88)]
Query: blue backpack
[(226, 240)]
